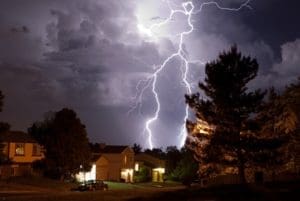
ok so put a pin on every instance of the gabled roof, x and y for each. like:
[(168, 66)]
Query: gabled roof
[(113, 149), (16, 136)]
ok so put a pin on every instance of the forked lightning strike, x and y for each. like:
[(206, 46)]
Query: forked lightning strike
[(188, 9)]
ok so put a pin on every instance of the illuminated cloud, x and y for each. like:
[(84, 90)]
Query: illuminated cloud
[(90, 55)]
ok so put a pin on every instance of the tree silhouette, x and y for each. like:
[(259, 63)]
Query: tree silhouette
[(1, 100), (228, 108), (280, 116), (65, 140), (1, 130), (186, 168), (173, 156), (156, 152), (137, 148)]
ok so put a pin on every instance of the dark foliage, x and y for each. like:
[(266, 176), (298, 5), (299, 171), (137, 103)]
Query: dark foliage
[(137, 148), (279, 117), (65, 140), (173, 157), (186, 170), (3, 128), (1, 100), (143, 175), (230, 107), (156, 152)]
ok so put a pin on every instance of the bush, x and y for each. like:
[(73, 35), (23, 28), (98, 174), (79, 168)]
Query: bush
[(143, 175)]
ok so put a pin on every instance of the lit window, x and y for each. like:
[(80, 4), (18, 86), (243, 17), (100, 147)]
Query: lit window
[(136, 167), (20, 149), (125, 159)]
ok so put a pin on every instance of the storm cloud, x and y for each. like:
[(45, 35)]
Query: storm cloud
[(90, 56)]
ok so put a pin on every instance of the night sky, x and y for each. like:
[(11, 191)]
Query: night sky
[(95, 57)]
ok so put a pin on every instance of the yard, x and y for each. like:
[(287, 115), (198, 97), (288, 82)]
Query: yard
[(39, 189), (35, 189)]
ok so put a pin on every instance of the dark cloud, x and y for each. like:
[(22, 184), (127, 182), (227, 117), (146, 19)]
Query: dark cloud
[(90, 56)]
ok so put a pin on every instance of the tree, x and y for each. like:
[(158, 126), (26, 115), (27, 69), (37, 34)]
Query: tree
[(186, 170), (1, 100), (156, 152), (143, 175), (65, 140), (280, 115), (137, 148), (228, 108), (289, 121), (3, 128), (289, 108), (173, 156)]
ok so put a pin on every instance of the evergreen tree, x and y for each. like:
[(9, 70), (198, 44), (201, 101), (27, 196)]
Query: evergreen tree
[(280, 116), (229, 109)]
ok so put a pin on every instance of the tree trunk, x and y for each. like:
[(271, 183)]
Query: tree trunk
[(242, 173), (241, 167)]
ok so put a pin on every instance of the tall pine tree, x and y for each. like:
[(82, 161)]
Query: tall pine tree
[(229, 108)]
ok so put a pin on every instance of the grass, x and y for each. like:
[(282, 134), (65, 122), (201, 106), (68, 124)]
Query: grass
[(121, 186), (166, 184), (51, 190), (37, 183)]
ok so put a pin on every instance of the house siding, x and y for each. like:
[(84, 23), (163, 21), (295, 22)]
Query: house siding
[(27, 157), (110, 165)]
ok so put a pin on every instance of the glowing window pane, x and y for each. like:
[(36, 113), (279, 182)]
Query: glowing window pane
[(136, 167), (20, 149)]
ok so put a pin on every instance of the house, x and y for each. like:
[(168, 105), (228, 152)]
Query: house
[(20, 150), (111, 163), (155, 165)]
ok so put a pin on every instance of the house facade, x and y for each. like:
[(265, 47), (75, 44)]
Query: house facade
[(111, 163), (155, 166), (20, 151)]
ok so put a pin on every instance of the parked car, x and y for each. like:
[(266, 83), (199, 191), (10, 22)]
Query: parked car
[(91, 185)]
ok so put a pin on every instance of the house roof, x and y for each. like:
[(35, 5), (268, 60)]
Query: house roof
[(149, 160), (113, 149), (16, 136)]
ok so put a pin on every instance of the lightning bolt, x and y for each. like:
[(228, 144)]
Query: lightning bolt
[(188, 9)]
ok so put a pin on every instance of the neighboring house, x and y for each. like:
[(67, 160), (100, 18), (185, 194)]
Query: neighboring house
[(155, 165), (111, 163), (21, 150)]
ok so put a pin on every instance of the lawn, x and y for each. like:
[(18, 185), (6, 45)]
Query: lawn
[(33, 184), (38, 188), (41, 189), (121, 186)]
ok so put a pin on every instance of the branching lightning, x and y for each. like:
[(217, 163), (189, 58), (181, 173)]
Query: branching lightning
[(188, 9)]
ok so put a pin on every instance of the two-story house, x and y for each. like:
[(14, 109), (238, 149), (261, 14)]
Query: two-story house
[(21, 150), (111, 163)]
